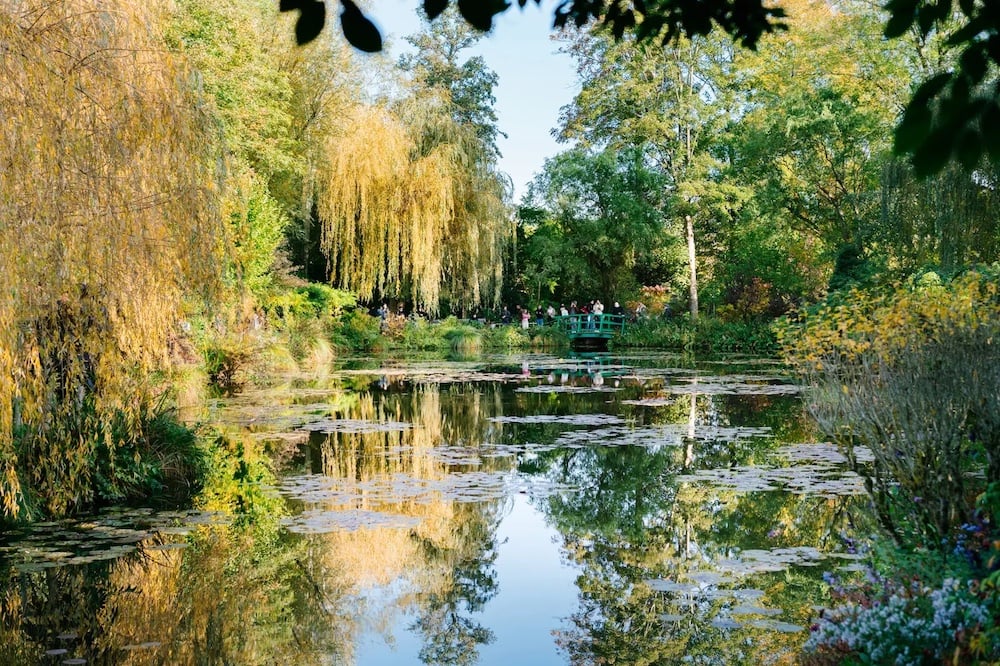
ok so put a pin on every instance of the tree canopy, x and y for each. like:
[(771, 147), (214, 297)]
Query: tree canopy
[(952, 115)]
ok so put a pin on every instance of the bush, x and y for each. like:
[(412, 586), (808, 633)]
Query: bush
[(356, 330), (912, 377), (709, 335), (229, 359), (912, 624)]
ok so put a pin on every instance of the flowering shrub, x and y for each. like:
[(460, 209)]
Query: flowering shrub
[(911, 625)]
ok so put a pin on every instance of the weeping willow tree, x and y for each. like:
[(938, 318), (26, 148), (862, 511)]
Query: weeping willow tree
[(107, 179), (412, 203), (385, 209), (480, 225), (480, 228)]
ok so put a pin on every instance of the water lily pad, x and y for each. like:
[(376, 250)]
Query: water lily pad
[(562, 419), (166, 546), (668, 586), (725, 623), (566, 388), (355, 426), (775, 625), (323, 522)]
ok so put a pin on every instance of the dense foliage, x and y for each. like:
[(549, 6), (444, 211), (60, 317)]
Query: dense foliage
[(108, 208), (905, 381)]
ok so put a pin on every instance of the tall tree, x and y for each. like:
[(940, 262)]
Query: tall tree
[(385, 209), (273, 107), (412, 203), (592, 227), (106, 222), (669, 103), (454, 97), (950, 219), (952, 115), (820, 102)]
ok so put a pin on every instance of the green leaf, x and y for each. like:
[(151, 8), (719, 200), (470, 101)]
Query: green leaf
[(990, 129), (931, 156), (969, 148), (433, 8), (930, 88), (974, 63), (902, 14), (310, 23), (967, 32), (359, 31), (913, 128)]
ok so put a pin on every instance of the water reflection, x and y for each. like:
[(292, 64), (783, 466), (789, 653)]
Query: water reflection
[(677, 503)]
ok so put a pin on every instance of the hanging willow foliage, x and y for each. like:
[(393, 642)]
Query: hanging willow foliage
[(385, 209), (106, 183), (413, 209), (481, 224)]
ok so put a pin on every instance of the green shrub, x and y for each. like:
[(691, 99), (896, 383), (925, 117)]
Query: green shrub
[(708, 335), (356, 330), (910, 379), (228, 360)]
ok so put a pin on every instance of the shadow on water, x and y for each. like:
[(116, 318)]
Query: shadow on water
[(687, 512)]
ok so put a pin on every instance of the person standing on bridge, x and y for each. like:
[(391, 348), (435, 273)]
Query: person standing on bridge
[(598, 313), (617, 309)]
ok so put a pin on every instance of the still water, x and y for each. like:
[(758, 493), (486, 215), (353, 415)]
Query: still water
[(642, 509)]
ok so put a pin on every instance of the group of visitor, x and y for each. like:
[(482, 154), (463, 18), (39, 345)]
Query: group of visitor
[(547, 313)]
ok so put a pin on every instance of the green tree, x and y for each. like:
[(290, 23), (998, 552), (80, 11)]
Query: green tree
[(820, 102), (451, 104), (592, 227), (670, 104), (951, 116), (274, 108), (950, 219)]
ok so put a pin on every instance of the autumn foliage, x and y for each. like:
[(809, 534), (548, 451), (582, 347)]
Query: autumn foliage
[(911, 375), (105, 224)]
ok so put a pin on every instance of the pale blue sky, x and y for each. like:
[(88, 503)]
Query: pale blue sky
[(534, 80)]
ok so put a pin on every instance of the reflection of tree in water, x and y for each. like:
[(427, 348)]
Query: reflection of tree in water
[(449, 556), (630, 522), (240, 595), (617, 527), (451, 635)]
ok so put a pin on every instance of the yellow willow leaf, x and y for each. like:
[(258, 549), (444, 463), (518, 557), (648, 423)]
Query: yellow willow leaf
[(108, 222)]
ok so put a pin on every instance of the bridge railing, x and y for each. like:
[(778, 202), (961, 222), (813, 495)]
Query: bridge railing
[(591, 325)]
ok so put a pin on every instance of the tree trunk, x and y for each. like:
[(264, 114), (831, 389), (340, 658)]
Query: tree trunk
[(692, 264)]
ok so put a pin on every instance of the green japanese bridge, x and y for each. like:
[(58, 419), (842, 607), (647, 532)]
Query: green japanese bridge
[(591, 331)]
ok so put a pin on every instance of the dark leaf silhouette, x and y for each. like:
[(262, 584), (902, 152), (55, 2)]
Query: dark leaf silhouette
[(480, 13), (358, 29), (310, 23), (433, 8)]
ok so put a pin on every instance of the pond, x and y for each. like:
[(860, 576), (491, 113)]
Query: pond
[(536, 509)]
